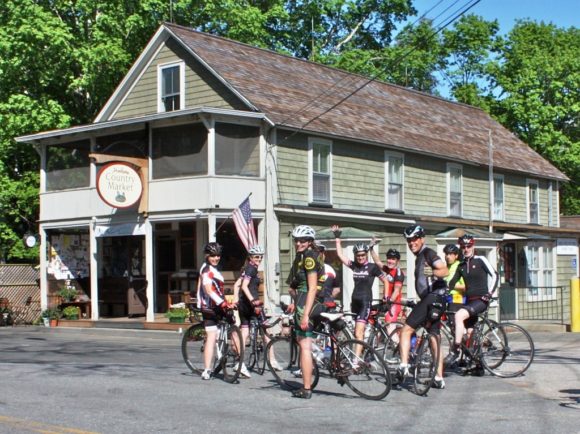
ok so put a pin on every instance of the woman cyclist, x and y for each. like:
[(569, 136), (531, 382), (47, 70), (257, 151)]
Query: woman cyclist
[(303, 280), (364, 274), (210, 298)]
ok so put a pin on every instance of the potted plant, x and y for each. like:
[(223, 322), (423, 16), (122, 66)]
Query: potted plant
[(177, 313), (53, 314), (71, 312), (68, 293)]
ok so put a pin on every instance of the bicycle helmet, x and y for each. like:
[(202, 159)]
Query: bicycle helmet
[(357, 248), (256, 250), (212, 249), (304, 231), (414, 231), (451, 248), (466, 240), (393, 253), (319, 246)]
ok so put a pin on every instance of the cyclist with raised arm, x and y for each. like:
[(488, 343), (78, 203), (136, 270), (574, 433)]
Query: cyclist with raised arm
[(430, 270), (364, 274), (481, 281), (303, 280), (396, 278), (329, 286), (210, 298)]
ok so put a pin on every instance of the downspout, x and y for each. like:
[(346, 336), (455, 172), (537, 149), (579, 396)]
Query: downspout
[(491, 192)]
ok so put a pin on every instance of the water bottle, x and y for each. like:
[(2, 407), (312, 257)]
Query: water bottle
[(317, 352), (413, 342), (327, 352), (367, 331)]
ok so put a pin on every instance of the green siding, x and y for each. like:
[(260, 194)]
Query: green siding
[(425, 186), (292, 171), (475, 193), (565, 273), (201, 88), (515, 199)]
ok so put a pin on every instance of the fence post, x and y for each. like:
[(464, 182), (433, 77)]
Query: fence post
[(575, 304)]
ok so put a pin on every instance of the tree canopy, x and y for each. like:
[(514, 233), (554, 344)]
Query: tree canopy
[(61, 60)]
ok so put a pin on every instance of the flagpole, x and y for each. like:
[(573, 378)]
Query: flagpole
[(229, 217)]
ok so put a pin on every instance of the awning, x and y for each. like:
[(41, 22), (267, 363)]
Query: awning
[(120, 230), (524, 236), (348, 233), (478, 234)]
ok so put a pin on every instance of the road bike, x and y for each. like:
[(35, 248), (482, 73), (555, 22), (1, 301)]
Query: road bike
[(228, 353)]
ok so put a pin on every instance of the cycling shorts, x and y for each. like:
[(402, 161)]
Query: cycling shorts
[(474, 306), (362, 308), (314, 317), (246, 312), (211, 317), (419, 315), (393, 313)]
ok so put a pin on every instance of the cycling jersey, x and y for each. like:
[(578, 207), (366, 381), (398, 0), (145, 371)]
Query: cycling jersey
[(456, 296), (425, 261), (364, 275), (394, 276), (210, 276), (475, 271), (327, 282), (250, 274)]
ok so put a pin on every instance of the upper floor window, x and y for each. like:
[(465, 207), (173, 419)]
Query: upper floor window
[(237, 150), (540, 272), (498, 207), (455, 189), (533, 202), (171, 83), (320, 165), (179, 151), (68, 166), (394, 177)]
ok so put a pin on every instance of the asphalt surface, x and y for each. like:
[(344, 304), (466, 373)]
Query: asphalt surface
[(123, 381)]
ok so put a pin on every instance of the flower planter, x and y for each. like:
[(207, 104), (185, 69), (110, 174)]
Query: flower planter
[(53, 322), (177, 320)]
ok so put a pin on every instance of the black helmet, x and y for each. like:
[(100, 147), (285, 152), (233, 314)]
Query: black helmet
[(414, 231), (451, 248), (466, 240), (393, 253), (360, 248), (212, 249)]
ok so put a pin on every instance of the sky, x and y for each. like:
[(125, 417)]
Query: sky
[(562, 13)]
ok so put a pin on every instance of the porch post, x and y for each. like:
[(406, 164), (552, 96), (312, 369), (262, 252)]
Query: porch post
[(149, 273), (43, 267), (94, 270)]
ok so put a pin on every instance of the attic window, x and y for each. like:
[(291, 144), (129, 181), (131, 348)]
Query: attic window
[(171, 85)]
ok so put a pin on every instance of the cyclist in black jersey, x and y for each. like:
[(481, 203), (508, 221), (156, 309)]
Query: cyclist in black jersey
[(329, 287), (364, 274), (303, 280), (481, 281), (430, 270)]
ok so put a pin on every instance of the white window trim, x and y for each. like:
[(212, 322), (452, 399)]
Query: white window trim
[(537, 184), (540, 293), (499, 176), (311, 142), (449, 167), (389, 154), (160, 68)]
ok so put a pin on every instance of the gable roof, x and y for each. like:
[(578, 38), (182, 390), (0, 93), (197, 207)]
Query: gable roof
[(292, 92)]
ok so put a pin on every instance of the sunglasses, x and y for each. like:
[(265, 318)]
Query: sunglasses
[(256, 257), (361, 255), (410, 240), (214, 256), (301, 240)]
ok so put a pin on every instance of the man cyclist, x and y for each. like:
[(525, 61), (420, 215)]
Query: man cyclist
[(430, 270), (481, 281)]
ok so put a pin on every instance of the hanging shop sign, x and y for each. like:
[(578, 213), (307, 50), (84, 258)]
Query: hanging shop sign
[(119, 185)]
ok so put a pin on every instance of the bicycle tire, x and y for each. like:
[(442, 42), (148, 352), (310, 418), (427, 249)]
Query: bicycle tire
[(260, 366), (366, 373), (392, 355), (192, 346), (250, 348), (447, 340), (285, 352), (424, 366), (507, 350), (232, 355)]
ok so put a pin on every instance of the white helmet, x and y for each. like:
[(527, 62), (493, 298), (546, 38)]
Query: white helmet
[(303, 231), (256, 250)]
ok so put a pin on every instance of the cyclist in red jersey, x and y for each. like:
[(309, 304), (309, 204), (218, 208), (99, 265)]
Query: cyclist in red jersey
[(395, 277)]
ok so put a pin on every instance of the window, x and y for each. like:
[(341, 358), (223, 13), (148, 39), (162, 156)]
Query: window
[(455, 189), (132, 144), (320, 164), (394, 177), (237, 150), (533, 202), (179, 151), (171, 82), (498, 209), (540, 272), (68, 166)]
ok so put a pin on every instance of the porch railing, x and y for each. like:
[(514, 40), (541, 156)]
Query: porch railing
[(542, 303)]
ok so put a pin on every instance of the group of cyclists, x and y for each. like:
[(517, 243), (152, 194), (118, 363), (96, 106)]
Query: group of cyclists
[(457, 283)]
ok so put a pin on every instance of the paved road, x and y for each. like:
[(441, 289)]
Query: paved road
[(77, 381)]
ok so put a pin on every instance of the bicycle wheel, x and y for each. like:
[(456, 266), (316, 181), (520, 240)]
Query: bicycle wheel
[(192, 345), (232, 354), (282, 357), (507, 350), (391, 354), (250, 348), (366, 374), (447, 340), (425, 365)]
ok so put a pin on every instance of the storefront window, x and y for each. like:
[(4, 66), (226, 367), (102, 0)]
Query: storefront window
[(68, 166), (179, 151), (237, 150)]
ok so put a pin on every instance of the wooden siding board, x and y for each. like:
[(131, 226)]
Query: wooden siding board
[(515, 199), (565, 273)]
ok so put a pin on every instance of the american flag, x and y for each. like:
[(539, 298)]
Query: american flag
[(244, 225)]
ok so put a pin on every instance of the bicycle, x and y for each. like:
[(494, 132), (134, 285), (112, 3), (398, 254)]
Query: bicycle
[(423, 356), (351, 362), (228, 354), (504, 349)]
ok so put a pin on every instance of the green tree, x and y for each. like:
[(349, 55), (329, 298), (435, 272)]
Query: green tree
[(536, 83)]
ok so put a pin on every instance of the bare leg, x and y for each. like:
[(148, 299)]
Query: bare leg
[(306, 360), (211, 339)]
